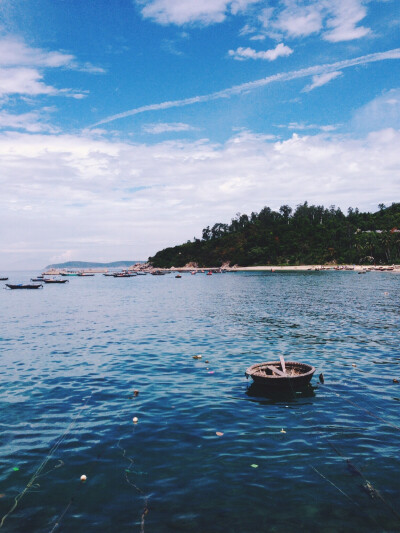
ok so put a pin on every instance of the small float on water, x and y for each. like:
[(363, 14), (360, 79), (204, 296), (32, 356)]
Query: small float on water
[(281, 375)]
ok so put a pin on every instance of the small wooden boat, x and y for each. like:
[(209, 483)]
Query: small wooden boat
[(3, 279), (39, 279), (178, 276), (55, 280), (85, 274), (23, 286), (281, 375)]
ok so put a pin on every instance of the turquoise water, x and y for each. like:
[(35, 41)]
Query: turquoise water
[(72, 355)]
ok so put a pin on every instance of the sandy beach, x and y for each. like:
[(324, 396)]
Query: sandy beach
[(338, 268)]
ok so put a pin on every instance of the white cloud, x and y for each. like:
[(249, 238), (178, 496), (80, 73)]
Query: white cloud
[(162, 127), (336, 20), (21, 69), (109, 200), (248, 53), (33, 122), (191, 11), (302, 126), (28, 81), (317, 70), (14, 52), (299, 21), (346, 14), (321, 79), (382, 112)]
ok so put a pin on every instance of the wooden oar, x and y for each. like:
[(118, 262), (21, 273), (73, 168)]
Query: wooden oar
[(283, 364), (276, 371)]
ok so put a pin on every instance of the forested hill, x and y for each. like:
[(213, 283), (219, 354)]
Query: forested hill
[(308, 235)]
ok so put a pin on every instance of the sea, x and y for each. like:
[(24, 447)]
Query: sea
[(138, 385)]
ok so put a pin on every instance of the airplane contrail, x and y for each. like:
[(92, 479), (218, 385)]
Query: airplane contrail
[(249, 86)]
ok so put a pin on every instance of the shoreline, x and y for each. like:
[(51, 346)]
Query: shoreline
[(262, 268), (297, 268), (322, 268)]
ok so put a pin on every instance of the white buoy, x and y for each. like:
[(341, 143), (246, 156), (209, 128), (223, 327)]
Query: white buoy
[(83, 478), (135, 420)]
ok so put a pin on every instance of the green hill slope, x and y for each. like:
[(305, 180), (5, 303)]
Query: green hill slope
[(308, 235)]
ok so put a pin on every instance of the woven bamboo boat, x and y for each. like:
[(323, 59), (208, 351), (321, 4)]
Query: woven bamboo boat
[(271, 375)]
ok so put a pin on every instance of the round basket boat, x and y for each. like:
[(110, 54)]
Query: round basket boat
[(298, 375)]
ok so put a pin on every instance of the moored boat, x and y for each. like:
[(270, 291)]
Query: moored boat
[(23, 286), (55, 280)]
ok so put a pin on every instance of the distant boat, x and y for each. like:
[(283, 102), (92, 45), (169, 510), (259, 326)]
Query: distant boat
[(3, 279), (209, 273), (84, 274), (39, 279), (178, 276), (23, 286), (69, 274), (55, 280)]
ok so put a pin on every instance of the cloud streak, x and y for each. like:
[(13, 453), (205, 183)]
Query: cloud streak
[(270, 55), (316, 70), (163, 127), (321, 79)]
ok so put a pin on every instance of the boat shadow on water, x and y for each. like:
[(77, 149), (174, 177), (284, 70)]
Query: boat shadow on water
[(256, 390)]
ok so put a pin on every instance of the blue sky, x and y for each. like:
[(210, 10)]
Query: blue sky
[(129, 125)]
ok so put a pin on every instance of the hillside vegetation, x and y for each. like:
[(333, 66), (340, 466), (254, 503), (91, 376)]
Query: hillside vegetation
[(308, 235)]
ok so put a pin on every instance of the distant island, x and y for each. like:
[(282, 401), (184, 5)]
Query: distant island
[(85, 264), (305, 236)]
